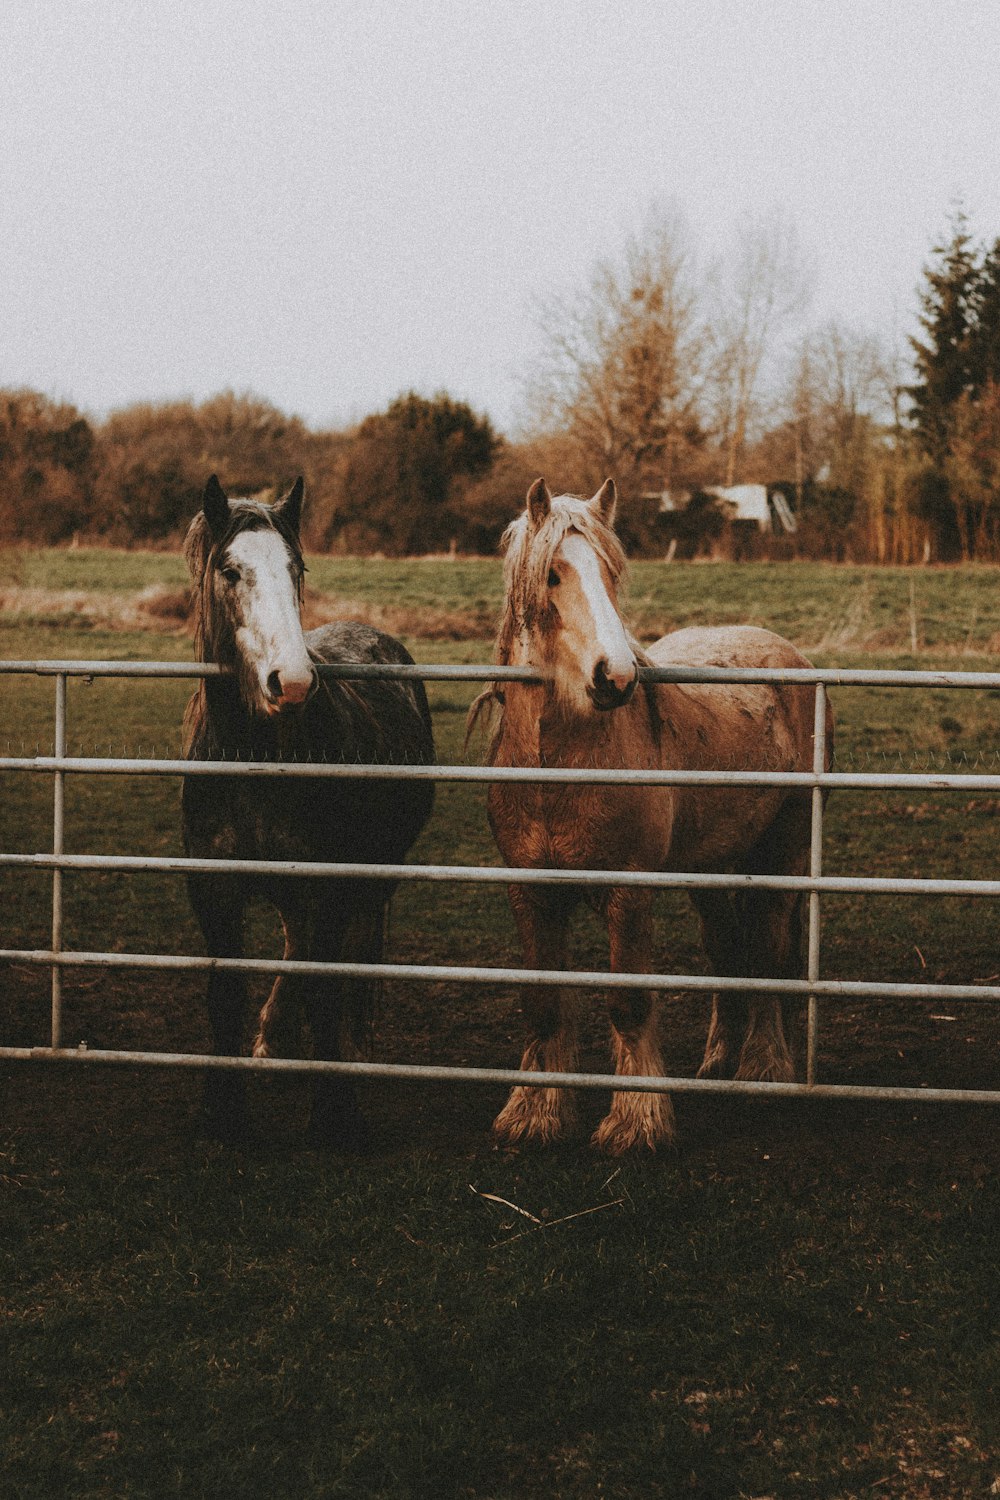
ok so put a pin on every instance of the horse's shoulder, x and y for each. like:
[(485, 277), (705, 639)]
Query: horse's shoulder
[(725, 646)]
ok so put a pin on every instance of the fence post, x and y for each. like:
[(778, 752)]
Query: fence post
[(58, 828), (815, 870)]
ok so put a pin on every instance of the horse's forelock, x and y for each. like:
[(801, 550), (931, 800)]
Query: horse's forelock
[(201, 548), (528, 555)]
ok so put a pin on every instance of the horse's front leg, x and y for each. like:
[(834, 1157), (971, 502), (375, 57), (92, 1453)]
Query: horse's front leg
[(218, 905), (635, 1120), (541, 1114)]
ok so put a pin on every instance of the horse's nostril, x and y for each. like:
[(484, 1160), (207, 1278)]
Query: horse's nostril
[(601, 673), (274, 686)]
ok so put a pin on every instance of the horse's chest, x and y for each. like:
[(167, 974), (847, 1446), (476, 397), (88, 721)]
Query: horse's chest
[(239, 821), (598, 827)]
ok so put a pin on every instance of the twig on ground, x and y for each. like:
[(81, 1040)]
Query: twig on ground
[(566, 1219), (494, 1198)]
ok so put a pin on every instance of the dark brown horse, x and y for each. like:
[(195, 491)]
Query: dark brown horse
[(564, 566), (270, 704)]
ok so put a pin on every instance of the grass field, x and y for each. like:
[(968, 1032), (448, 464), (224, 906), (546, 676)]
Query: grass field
[(817, 605), (800, 1301)]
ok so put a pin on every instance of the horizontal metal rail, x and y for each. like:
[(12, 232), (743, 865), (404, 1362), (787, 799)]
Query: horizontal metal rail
[(504, 875), (96, 765), (585, 979), (812, 988), (419, 1072), (462, 672)]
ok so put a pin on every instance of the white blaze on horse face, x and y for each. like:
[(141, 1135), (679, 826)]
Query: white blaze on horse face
[(592, 636), (269, 634)]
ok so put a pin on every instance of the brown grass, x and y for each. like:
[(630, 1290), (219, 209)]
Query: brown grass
[(161, 608), (156, 607), (434, 624)]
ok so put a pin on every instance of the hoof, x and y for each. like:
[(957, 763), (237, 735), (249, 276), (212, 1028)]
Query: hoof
[(612, 1141), (524, 1140), (533, 1117), (758, 1067), (632, 1127)]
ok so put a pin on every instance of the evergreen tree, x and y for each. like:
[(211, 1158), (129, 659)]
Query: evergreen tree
[(945, 356), (984, 351)]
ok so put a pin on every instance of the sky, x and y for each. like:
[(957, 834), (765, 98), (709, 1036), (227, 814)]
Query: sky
[(330, 203)]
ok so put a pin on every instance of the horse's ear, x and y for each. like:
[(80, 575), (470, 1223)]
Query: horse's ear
[(216, 508), (539, 503), (290, 509), (605, 502)]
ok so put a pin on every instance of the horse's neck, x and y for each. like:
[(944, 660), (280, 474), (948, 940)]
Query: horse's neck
[(227, 729), (533, 732)]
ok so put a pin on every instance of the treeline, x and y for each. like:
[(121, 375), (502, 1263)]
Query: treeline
[(674, 375), (423, 476)]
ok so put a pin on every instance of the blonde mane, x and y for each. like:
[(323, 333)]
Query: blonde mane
[(528, 551), (528, 555)]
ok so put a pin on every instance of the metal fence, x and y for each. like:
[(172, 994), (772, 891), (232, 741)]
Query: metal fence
[(813, 988)]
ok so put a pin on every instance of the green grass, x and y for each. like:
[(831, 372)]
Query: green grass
[(98, 569), (298, 1327), (801, 1301)]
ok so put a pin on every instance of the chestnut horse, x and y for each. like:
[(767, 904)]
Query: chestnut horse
[(271, 704), (563, 569)]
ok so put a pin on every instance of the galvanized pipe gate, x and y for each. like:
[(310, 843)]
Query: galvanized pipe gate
[(813, 987)]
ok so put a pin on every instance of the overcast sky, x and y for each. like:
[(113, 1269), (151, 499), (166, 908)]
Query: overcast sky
[(329, 203)]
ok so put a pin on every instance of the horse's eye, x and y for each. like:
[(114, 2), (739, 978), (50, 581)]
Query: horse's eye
[(553, 579), (231, 575)]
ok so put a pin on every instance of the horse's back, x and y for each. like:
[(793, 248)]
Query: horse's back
[(745, 646), (350, 640), (764, 724), (399, 706)]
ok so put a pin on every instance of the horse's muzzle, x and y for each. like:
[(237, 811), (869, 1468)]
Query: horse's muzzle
[(284, 695), (606, 694)]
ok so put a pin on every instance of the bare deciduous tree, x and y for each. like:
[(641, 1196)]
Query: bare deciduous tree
[(760, 290), (619, 367), (850, 378)]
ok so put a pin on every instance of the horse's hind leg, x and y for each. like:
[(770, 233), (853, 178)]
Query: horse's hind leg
[(341, 1012), (279, 1032), (643, 1120), (541, 1114), (218, 905), (773, 926), (724, 941)]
